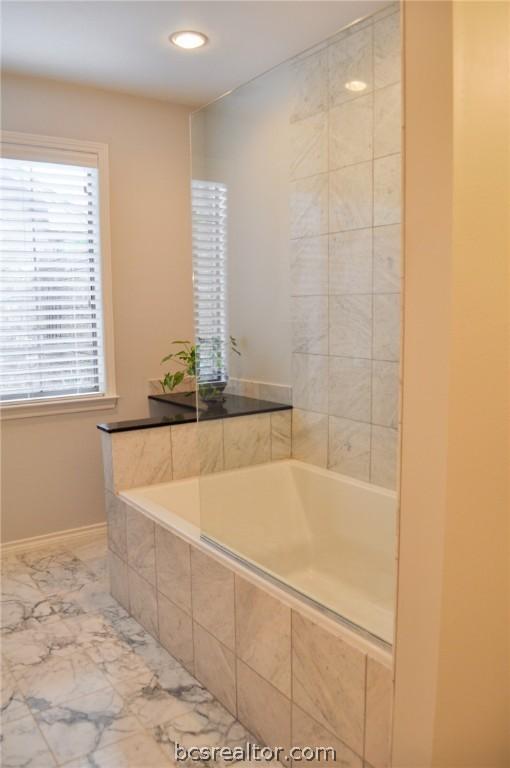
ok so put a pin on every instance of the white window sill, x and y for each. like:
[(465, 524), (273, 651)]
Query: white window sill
[(51, 407)]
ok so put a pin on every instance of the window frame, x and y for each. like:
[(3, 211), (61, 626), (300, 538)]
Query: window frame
[(58, 148)]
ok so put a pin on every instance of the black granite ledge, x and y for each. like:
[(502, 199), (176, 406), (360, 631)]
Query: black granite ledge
[(182, 410)]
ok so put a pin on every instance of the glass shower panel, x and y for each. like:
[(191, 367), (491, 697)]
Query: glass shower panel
[(296, 247)]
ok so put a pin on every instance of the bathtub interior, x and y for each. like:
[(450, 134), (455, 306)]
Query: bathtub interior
[(325, 536)]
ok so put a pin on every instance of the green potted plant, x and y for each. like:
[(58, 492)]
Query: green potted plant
[(188, 357)]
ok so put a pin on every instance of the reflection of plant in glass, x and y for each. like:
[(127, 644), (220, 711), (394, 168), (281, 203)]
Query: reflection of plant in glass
[(187, 357)]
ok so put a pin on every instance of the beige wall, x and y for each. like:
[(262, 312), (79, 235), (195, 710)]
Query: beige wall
[(52, 473), (452, 641)]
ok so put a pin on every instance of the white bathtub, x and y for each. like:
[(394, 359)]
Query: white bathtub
[(327, 536)]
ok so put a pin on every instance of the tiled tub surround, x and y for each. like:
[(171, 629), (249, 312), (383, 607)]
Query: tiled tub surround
[(328, 537), (288, 673), (345, 251), (137, 457)]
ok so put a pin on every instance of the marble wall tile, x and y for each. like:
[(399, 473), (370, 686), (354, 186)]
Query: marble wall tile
[(212, 588), (310, 324), (384, 457), (309, 266), (281, 434), (386, 326), (309, 83), (310, 437), (107, 453), (310, 382), (173, 568), (387, 120), (329, 681), (387, 67), (210, 446), (143, 603), (263, 634), (350, 329), (309, 206), (378, 714), (119, 587), (276, 393), (350, 262), (141, 457), (387, 260), (247, 440), (116, 522), (349, 388), (385, 393), (141, 544), (263, 709), (175, 631), (185, 451), (350, 198), (215, 667), (350, 59), (309, 146), (350, 133), (349, 447), (307, 732), (387, 209)]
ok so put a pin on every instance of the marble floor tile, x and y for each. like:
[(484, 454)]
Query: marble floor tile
[(133, 752), (12, 703), (56, 571), (26, 650), (83, 725), (93, 680), (170, 693), (58, 679), (24, 606), (208, 725), (22, 746)]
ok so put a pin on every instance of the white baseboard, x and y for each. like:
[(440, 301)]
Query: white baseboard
[(52, 538)]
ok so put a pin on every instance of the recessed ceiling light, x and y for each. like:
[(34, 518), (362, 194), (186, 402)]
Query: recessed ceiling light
[(356, 85), (188, 39)]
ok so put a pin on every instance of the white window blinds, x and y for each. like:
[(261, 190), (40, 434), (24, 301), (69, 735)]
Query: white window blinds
[(209, 220), (51, 328)]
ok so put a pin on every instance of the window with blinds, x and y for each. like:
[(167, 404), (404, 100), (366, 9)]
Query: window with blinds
[(209, 221), (51, 327)]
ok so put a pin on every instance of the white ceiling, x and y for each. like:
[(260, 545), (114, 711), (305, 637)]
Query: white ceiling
[(123, 45)]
